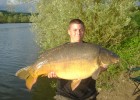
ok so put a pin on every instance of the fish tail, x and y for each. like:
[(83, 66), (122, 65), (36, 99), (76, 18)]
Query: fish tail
[(30, 82), (23, 73)]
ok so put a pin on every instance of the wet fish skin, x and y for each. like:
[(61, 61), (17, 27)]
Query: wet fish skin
[(69, 61)]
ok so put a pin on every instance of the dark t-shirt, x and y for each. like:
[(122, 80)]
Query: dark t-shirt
[(85, 89)]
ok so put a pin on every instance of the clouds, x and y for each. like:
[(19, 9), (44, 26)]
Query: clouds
[(9, 2), (12, 2), (16, 2), (18, 5)]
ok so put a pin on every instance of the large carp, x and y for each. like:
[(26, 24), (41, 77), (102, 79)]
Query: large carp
[(71, 61)]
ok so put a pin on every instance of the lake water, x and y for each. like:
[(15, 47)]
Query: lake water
[(17, 49)]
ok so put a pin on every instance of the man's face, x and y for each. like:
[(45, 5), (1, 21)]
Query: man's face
[(76, 32)]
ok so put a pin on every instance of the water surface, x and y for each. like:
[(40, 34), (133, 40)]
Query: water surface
[(17, 49)]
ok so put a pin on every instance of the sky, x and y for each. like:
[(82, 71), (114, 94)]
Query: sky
[(7, 2), (14, 2), (17, 5), (3, 2)]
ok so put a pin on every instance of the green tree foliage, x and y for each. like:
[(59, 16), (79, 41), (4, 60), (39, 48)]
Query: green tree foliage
[(16, 18), (24, 19), (1, 17), (105, 20), (10, 19), (13, 17), (136, 19)]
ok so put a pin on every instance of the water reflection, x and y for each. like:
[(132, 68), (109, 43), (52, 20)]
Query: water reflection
[(42, 89), (17, 49)]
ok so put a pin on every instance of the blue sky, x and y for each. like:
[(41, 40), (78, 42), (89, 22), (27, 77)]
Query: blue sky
[(17, 6)]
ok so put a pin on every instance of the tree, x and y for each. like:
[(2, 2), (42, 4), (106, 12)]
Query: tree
[(10, 19), (15, 18), (24, 19), (1, 17), (105, 20)]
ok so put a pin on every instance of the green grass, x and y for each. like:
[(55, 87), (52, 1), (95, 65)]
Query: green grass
[(129, 52)]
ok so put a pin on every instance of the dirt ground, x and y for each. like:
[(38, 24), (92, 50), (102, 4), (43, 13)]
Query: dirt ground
[(123, 90)]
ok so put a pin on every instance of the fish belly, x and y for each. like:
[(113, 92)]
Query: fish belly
[(74, 69)]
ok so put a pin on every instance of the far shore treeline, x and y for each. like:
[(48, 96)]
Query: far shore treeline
[(14, 17)]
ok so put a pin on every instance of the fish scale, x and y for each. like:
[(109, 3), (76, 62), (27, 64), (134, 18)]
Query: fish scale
[(69, 61)]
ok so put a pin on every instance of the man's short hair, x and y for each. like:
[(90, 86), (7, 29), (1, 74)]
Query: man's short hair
[(77, 21)]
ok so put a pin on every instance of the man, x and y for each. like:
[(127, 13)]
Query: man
[(86, 90)]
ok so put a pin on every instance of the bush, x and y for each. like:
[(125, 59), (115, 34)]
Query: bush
[(128, 51), (105, 20)]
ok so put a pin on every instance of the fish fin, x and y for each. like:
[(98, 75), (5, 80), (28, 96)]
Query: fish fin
[(23, 73), (30, 82), (74, 84), (96, 74)]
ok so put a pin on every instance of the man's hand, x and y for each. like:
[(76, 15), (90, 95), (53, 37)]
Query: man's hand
[(52, 75)]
